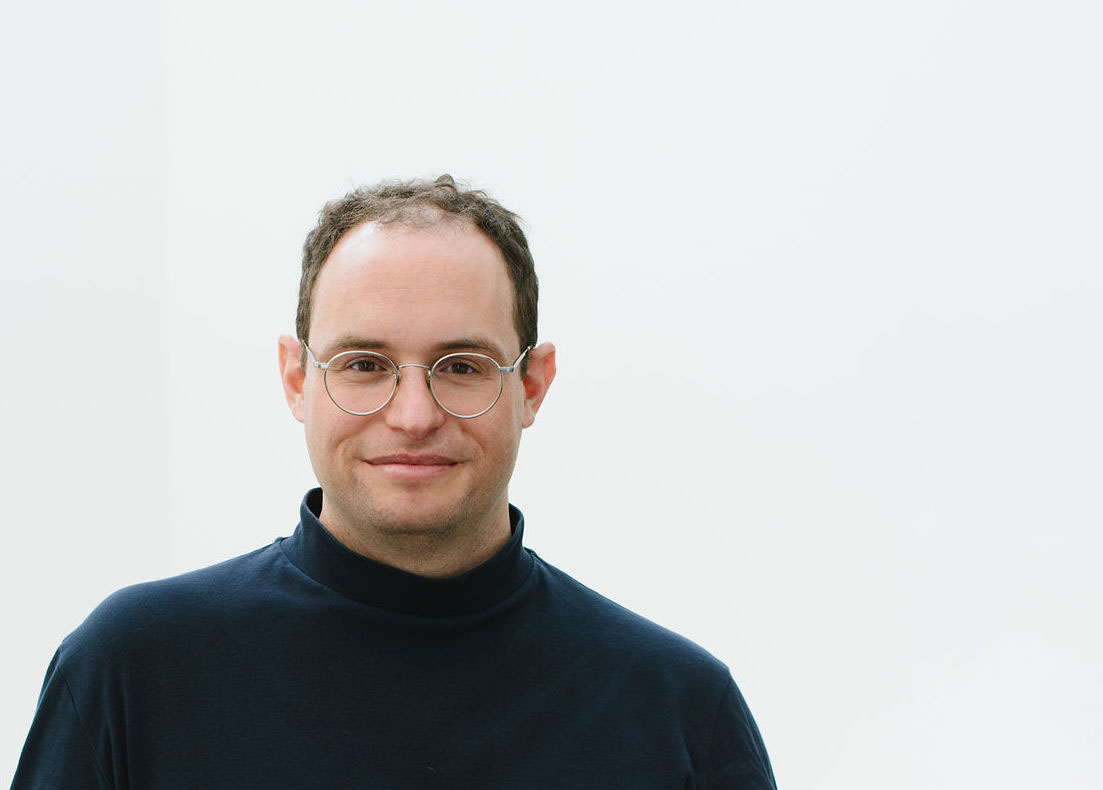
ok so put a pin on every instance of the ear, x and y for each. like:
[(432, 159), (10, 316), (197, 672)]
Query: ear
[(538, 377), (291, 371)]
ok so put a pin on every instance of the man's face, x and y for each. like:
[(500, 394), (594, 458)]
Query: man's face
[(414, 294)]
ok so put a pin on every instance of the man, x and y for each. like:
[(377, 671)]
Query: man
[(402, 637)]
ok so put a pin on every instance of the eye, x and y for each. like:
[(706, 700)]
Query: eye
[(462, 367), (364, 365), (459, 367), (360, 363)]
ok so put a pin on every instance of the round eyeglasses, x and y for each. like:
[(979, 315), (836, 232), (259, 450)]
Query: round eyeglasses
[(464, 385)]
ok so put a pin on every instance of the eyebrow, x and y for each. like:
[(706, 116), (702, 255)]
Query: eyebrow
[(477, 343)]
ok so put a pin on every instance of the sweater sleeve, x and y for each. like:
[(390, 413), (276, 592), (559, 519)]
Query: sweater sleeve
[(58, 752), (737, 756)]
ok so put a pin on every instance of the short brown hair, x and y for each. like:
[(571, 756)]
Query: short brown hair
[(420, 203)]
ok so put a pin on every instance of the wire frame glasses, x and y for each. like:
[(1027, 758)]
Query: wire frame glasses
[(464, 385)]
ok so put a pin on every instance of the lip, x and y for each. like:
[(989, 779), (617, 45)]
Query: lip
[(405, 466)]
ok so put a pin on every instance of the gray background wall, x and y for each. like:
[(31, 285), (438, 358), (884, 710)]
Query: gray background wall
[(824, 278)]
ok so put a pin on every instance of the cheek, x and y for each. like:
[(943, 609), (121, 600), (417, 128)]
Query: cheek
[(327, 426), (501, 435), (512, 405)]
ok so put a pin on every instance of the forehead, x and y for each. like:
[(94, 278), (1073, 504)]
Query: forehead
[(421, 287)]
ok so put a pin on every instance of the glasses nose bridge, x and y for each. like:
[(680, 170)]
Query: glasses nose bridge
[(428, 369)]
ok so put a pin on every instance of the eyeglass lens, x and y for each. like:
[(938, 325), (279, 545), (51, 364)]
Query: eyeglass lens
[(362, 382)]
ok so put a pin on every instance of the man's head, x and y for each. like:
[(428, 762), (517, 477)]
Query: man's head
[(421, 204), (388, 271)]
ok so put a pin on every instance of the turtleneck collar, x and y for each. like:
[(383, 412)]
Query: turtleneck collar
[(321, 556)]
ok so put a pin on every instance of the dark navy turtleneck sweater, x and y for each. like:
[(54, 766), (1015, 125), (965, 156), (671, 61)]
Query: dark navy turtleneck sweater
[(305, 665)]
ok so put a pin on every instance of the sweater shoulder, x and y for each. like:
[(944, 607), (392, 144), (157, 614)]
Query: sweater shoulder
[(141, 614), (606, 623)]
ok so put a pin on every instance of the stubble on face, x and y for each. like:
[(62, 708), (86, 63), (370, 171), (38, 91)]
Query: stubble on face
[(380, 511), (442, 544)]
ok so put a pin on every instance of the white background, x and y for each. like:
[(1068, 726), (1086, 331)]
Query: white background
[(825, 280)]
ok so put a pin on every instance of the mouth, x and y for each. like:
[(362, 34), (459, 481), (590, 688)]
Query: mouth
[(406, 466)]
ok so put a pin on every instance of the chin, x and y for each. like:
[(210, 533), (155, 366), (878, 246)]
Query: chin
[(413, 518)]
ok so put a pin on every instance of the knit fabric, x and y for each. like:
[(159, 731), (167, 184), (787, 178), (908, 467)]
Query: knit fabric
[(305, 665)]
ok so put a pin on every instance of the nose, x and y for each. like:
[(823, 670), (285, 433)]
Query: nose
[(413, 410)]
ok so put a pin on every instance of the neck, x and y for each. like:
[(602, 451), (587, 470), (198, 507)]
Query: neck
[(433, 551)]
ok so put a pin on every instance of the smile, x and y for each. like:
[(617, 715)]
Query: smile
[(412, 467)]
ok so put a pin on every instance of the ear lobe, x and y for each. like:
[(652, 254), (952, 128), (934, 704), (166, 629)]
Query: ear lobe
[(292, 374), (541, 372)]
